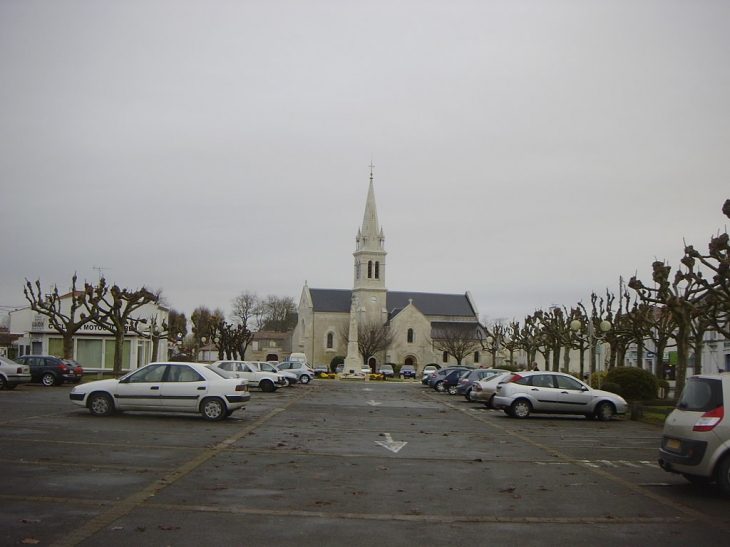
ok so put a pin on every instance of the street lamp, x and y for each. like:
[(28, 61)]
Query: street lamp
[(604, 326)]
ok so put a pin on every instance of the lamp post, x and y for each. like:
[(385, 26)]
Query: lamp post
[(604, 326)]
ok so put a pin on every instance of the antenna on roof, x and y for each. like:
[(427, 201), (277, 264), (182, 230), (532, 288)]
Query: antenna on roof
[(99, 269)]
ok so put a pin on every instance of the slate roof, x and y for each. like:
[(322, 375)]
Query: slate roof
[(450, 305)]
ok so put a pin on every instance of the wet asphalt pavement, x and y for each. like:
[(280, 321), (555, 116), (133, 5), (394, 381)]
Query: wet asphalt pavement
[(339, 463)]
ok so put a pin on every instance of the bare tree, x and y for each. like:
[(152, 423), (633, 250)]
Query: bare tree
[(280, 313), (680, 297), (458, 339), (116, 308), (717, 287), (66, 323), (247, 310), (372, 337)]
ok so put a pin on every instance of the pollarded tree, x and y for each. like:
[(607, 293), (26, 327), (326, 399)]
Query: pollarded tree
[(680, 297), (717, 261), (116, 308), (67, 323)]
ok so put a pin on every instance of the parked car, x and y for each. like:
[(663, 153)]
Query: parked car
[(265, 381), (12, 374), (50, 370), (166, 387), (438, 377), (387, 371), (451, 380), (300, 368), (320, 369), (467, 381), (265, 366), (365, 369), (407, 371), (483, 391), (427, 371), (696, 437), (555, 393), (339, 368)]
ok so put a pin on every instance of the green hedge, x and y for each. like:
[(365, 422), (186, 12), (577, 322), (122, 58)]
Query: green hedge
[(633, 384)]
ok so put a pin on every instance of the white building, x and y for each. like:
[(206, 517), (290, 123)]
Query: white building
[(93, 345)]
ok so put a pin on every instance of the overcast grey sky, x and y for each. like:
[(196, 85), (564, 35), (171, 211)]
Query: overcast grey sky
[(528, 152)]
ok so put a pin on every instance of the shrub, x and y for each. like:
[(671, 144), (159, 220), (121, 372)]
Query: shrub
[(635, 384)]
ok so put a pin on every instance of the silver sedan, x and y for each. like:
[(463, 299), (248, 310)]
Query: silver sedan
[(555, 393)]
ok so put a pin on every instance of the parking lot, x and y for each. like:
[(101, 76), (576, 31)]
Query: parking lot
[(336, 462)]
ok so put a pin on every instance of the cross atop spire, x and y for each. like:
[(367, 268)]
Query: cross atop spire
[(371, 169)]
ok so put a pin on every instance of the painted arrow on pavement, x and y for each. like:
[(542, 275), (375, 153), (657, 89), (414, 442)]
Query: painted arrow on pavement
[(390, 444), (374, 403)]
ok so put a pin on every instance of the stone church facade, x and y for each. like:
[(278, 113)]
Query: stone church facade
[(324, 314)]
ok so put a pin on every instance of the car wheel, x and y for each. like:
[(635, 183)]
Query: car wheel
[(267, 386), (10, 386), (48, 379), (605, 411), (723, 476), (213, 409), (439, 387), (289, 382), (490, 402), (521, 408), (100, 404), (3, 383), (452, 390), (304, 378), (467, 395)]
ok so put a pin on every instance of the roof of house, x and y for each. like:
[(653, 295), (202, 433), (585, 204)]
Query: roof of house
[(338, 300)]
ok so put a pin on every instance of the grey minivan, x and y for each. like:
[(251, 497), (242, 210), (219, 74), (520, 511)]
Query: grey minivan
[(696, 437)]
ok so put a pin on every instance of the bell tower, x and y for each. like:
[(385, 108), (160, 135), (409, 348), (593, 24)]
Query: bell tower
[(369, 285)]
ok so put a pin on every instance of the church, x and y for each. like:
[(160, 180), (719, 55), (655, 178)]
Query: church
[(413, 317)]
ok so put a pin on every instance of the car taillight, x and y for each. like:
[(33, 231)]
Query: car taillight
[(710, 419), (19, 371), (478, 387), (515, 378), (241, 387), (62, 367)]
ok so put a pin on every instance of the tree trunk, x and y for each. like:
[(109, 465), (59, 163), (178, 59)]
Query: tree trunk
[(682, 353), (68, 344), (118, 350)]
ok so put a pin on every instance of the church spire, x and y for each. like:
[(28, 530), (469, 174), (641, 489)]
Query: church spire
[(370, 247), (371, 234)]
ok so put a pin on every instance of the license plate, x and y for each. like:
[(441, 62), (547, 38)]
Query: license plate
[(674, 444)]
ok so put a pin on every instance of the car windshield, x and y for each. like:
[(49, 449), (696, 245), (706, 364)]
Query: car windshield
[(701, 394)]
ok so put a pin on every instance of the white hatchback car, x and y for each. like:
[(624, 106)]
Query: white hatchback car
[(166, 387), (555, 393), (696, 437)]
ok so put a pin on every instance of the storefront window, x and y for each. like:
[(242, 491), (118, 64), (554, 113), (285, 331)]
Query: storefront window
[(88, 353), (109, 354), (55, 347)]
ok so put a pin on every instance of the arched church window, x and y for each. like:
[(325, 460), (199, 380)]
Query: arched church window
[(476, 356), (370, 269), (330, 340), (377, 270), (410, 336), (445, 357)]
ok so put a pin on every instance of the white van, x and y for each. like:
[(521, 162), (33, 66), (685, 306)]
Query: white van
[(298, 357)]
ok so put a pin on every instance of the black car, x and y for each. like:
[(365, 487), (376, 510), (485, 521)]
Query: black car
[(436, 379), (50, 370), (407, 371)]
